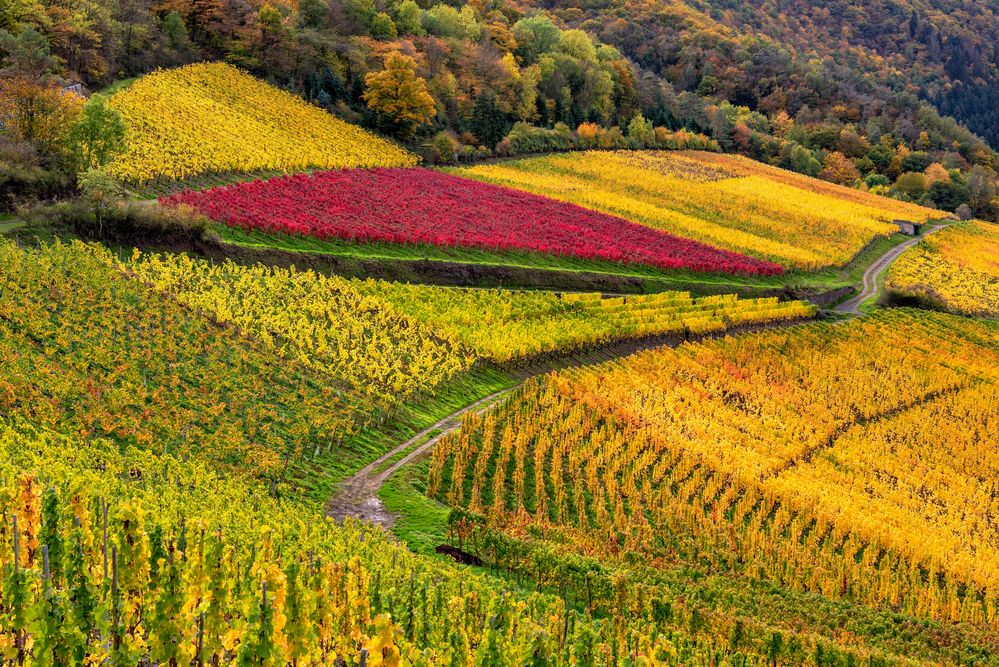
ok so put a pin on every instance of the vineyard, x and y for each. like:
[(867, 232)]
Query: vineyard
[(211, 117), (956, 269), (114, 554), (659, 454), (321, 322), (724, 201), (148, 555), (855, 461), (506, 326), (428, 207)]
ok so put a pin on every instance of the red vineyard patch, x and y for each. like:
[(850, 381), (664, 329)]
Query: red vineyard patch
[(430, 207)]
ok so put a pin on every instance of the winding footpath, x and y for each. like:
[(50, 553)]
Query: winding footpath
[(870, 286), (357, 496)]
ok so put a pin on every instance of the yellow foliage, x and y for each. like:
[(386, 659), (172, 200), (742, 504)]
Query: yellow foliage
[(957, 267), (503, 325), (211, 117), (322, 322), (723, 200), (834, 458)]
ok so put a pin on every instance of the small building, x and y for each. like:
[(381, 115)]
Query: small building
[(75, 89), (906, 227)]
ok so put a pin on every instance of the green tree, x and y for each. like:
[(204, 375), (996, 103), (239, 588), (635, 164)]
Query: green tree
[(175, 31), (398, 96), (98, 135), (313, 14), (804, 162), (911, 184), (382, 27), (103, 193), (408, 18), (535, 35), (641, 132), (948, 195), (488, 123), (26, 55)]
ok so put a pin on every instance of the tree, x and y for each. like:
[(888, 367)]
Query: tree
[(916, 161), (97, 135), (948, 195), (313, 14), (982, 190), (535, 35), (382, 27), (488, 124), (40, 114), (722, 128), (446, 21), (175, 31), (26, 55), (837, 168), (641, 132), (102, 191), (911, 184), (936, 173), (852, 144), (803, 161), (398, 96), (408, 18)]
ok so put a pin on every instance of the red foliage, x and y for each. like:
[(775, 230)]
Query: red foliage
[(431, 207)]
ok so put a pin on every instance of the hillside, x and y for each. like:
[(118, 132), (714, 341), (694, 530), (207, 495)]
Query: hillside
[(956, 270), (894, 96), (384, 333), (869, 59), (732, 203), (212, 118), (849, 462)]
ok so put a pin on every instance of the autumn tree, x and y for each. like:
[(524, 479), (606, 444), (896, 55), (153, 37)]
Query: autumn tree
[(399, 97), (837, 168), (39, 114)]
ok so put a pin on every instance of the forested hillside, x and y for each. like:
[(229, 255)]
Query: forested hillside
[(857, 94)]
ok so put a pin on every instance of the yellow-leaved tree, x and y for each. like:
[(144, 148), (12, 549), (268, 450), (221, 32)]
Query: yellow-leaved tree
[(399, 96)]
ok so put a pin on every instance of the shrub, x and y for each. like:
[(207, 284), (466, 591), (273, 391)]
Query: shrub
[(129, 223)]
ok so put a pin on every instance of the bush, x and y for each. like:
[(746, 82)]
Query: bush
[(446, 148), (24, 181), (137, 222), (524, 138)]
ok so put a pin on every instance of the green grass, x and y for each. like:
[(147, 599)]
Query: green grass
[(315, 476), (514, 258), (421, 522), (118, 86), (655, 279), (9, 223)]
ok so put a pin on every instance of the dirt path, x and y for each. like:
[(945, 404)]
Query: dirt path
[(870, 286), (358, 497), (358, 494)]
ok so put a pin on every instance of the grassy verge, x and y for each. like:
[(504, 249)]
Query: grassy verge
[(9, 224), (314, 475), (421, 522), (514, 258), (118, 86)]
